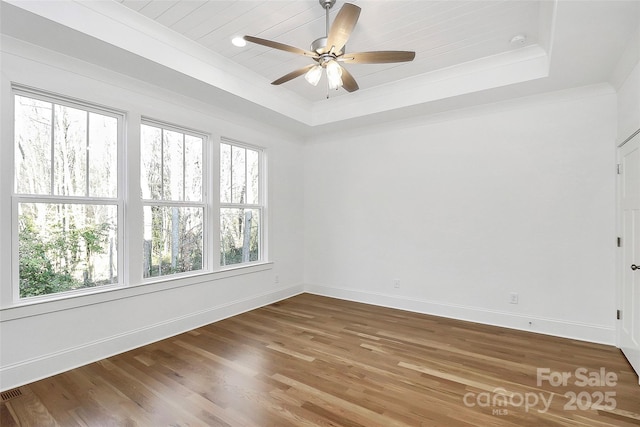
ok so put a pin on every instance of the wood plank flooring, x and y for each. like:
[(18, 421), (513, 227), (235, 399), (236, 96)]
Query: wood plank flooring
[(316, 361)]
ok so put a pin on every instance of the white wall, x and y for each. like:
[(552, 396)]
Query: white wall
[(42, 339), (463, 208), (467, 207), (629, 90)]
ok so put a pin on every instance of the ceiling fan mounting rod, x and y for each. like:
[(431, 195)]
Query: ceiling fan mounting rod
[(327, 4)]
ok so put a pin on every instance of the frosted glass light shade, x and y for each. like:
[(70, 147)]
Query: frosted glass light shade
[(334, 75), (313, 75)]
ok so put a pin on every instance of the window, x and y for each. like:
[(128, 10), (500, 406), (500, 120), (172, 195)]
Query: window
[(65, 194), (241, 206), (174, 209), (69, 196)]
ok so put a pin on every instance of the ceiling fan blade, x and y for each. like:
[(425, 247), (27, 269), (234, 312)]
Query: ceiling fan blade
[(378, 57), (342, 27), (280, 46), (348, 82), (292, 75)]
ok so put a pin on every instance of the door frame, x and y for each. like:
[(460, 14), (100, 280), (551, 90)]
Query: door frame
[(619, 252)]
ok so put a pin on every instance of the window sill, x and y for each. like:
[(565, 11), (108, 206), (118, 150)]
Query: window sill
[(38, 307)]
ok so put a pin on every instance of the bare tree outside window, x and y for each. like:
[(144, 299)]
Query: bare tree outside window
[(240, 201), (66, 186), (70, 209), (172, 192)]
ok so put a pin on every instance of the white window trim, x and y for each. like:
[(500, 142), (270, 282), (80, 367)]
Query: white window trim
[(208, 265), (68, 300), (129, 202), (17, 198), (262, 206)]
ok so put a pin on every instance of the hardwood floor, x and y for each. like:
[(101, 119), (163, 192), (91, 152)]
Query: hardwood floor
[(316, 361)]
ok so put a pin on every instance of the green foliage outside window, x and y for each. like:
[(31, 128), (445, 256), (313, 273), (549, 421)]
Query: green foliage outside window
[(61, 260)]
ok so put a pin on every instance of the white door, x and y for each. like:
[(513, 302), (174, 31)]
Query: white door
[(629, 297)]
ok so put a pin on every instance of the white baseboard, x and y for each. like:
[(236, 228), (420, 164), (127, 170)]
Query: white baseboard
[(28, 371), (548, 326)]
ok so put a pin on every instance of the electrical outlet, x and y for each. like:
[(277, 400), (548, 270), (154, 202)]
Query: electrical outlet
[(396, 283), (277, 279), (513, 298)]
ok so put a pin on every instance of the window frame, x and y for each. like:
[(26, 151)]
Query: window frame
[(261, 206), (128, 202), (18, 198), (208, 225)]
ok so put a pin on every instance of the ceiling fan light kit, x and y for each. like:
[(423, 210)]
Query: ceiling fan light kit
[(334, 75), (313, 75), (328, 51)]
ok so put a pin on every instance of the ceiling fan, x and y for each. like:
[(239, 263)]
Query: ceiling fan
[(328, 51)]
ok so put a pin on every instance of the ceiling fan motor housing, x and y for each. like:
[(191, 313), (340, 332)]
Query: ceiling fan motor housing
[(318, 45)]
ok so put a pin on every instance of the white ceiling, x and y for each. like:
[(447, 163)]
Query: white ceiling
[(442, 33), (463, 52)]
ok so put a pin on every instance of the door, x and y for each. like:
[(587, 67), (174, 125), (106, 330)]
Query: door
[(629, 295)]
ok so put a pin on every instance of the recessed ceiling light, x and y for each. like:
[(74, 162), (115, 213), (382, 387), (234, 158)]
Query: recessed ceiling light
[(239, 41)]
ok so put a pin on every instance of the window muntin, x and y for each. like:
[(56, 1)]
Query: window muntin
[(65, 194), (241, 208), (68, 199), (174, 208), (64, 151)]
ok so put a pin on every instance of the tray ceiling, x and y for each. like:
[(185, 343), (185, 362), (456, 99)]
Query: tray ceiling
[(442, 33), (464, 53)]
